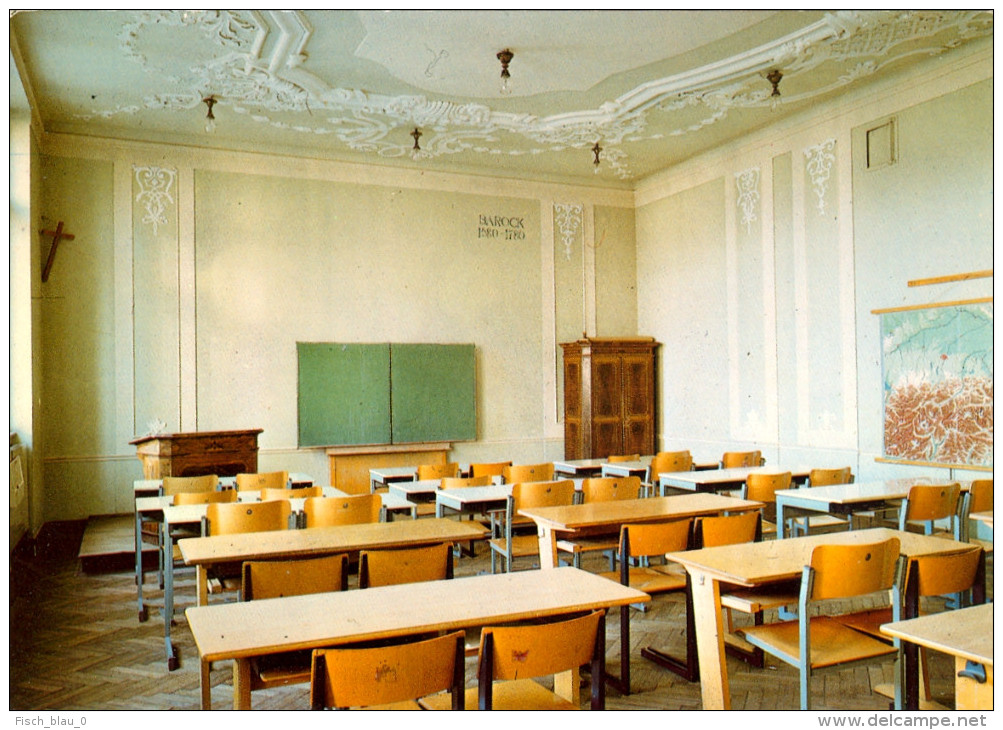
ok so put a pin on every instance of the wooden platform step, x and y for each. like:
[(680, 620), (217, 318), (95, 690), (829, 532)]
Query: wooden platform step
[(108, 546)]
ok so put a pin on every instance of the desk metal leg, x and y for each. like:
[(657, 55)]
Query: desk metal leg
[(781, 521), (143, 613), (172, 653), (201, 585), (710, 642)]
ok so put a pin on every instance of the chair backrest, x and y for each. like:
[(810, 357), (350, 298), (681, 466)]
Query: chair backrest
[(666, 461), (454, 482), (277, 578), (844, 571), (493, 469), (654, 538), (736, 459), (825, 477), (542, 494), (940, 574), (538, 650), (405, 565), (351, 510), (980, 495), (728, 529), (226, 495), (528, 473), (381, 675), (262, 480), (283, 493), (176, 485), (928, 502), (763, 487), (438, 471), (227, 519), (608, 489), (617, 458)]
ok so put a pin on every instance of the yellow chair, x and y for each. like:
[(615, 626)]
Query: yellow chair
[(268, 493), (803, 522), (150, 532), (227, 495), (733, 530), (979, 498), (762, 487), (528, 473), (927, 576), (389, 677), (240, 517), (510, 658), (485, 480), (517, 535), (667, 461), (928, 504), (262, 480), (738, 459), (491, 469), (278, 578), (405, 565), (351, 510), (814, 640), (601, 489), (620, 458), (652, 541), (437, 471)]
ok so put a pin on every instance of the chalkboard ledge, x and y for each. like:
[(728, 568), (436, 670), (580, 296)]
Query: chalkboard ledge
[(388, 448)]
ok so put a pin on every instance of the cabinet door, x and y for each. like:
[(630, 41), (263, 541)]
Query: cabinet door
[(638, 404), (573, 446), (607, 405)]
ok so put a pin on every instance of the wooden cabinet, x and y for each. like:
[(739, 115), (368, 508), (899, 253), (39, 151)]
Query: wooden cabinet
[(609, 397), (223, 453)]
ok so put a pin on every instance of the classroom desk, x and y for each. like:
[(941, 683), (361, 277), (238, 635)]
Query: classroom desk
[(240, 631), (967, 635), (721, 480), (578, 468), (986, 518), (846, 499), (597, 518), (626, 469), (173, 517), (762, 563), (386, 475), (472, 500)]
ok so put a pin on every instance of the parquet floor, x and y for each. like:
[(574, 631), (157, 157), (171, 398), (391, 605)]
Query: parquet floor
[(76, 644)]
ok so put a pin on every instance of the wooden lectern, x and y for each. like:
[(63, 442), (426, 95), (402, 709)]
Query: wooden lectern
[(224, 453)]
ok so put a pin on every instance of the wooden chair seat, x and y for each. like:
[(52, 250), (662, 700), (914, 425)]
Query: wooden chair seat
[(832, 643), (519, 694), (652, 580), (522, 545), (755, 600)]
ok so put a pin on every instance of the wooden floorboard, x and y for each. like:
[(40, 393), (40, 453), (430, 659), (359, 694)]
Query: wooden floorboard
[(76, 644)]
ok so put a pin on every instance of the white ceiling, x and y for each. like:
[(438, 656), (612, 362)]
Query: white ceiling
[(651, 87)]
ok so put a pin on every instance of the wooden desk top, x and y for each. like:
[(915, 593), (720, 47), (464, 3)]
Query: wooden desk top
[(621, 511), (966, 633), (984, 517), (860, 492), (464, 495), (153, 485), (229, 630), (326, 540), (183, 513), (686, 479), (752, 564)]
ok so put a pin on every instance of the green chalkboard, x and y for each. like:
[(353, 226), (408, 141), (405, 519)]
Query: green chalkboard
[(432, 393), (344, 393), (385, 393)]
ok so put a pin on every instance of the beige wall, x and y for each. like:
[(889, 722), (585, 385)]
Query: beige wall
[(193, 276), (759, 265)]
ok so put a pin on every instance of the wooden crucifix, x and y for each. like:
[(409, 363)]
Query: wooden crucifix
[(57, 235)]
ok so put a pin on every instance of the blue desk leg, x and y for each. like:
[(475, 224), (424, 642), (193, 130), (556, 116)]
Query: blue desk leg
[(781, 522), (143, 613), (172, 654)]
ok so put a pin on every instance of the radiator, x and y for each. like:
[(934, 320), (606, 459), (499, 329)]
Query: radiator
[(18, 496)]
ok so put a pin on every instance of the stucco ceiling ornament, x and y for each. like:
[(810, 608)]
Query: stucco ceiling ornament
[(269, 82)]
